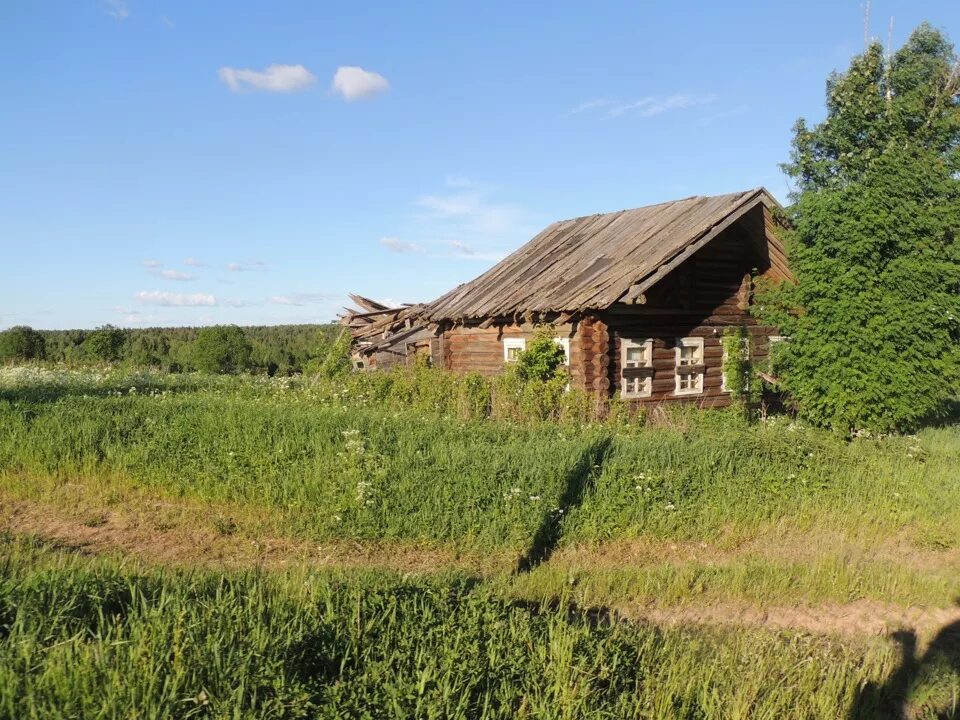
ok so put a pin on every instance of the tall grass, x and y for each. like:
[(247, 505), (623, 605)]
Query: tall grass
[(360, 470), (97, 638), (821, 518), (335, 472)]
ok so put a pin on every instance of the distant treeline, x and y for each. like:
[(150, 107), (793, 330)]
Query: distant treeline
[(275, 350)]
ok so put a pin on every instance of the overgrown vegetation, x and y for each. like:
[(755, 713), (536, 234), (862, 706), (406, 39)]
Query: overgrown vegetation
[(21, 343), (368, 645), (395, 461), (740, 375), (874, 318), (274, 350), (383, 460)]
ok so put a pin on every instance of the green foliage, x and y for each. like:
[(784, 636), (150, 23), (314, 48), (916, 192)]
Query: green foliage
[(100, 637), (331, 358), (542, 360), (739, 374), (276, 350), (221, 349), (21, 343), (294, 451), (105, 343), (874, 318)]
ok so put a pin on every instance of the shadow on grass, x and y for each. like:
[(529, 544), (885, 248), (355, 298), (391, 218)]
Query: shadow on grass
[(898, 698), (579, 480)]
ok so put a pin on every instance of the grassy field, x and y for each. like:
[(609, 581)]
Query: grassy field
[(78, 630), (546, 568)]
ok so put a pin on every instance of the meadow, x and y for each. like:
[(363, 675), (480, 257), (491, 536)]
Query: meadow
[(498, 567)]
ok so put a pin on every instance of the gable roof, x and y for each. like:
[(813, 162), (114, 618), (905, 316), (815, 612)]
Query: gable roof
[(594, 261)]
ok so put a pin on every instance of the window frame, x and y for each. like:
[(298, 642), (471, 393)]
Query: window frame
[(647, 384), (564, 342), (680, 343), (513, 343), (771, 341), (723, 362)]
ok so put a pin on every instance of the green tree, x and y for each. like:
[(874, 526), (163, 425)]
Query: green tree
[(221, 349), (21, 343), (873, 316), (105, 343), (543, 359), (331, 356)]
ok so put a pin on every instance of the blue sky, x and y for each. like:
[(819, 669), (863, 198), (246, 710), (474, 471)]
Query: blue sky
[(180, 163)]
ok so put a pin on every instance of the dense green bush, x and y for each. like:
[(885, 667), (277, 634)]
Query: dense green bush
[(874, 318), (543, 360), (21, 343), (221, 349), (105, 344)]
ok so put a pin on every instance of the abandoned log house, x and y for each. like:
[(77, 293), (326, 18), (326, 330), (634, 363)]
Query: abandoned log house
[(639, 300)]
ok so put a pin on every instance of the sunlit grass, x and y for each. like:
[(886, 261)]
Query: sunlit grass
[(94, 637)]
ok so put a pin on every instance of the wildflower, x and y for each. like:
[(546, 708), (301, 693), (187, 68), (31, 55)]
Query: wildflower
[(669, 506), (534, 498)]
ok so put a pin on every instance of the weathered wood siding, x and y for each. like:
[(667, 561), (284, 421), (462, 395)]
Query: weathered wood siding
[(702, 298), (470, 348)]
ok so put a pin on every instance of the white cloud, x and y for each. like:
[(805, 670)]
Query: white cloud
[(176, 275), (156, 297), (168, 22), (472, 211), (151, 263), (130, 316), (254, 266), (193, 262), (355, 83), (399, 246), (646, 107), (275, 78), (462, 248), (468, 221), (300, 298), (117, 9), (459, 181), (590, 105)]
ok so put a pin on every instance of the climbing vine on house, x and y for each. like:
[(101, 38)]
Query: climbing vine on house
[(740, 377)]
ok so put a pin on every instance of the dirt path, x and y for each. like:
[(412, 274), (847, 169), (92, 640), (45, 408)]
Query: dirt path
[(861, 617), (130, 535), (115, 532)]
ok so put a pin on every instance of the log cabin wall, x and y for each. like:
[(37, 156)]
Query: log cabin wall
[(470, 348), (700, 299)]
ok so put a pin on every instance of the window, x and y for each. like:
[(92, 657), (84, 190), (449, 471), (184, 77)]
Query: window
[(746, 356), (689, 378), (512, 347), (773, 341), (565, 344), (636, 368)]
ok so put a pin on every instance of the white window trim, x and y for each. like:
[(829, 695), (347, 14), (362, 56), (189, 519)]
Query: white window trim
[(723, 363), (771, 341), (565, 344), (513, 343), (696, 342), (625, 344)]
